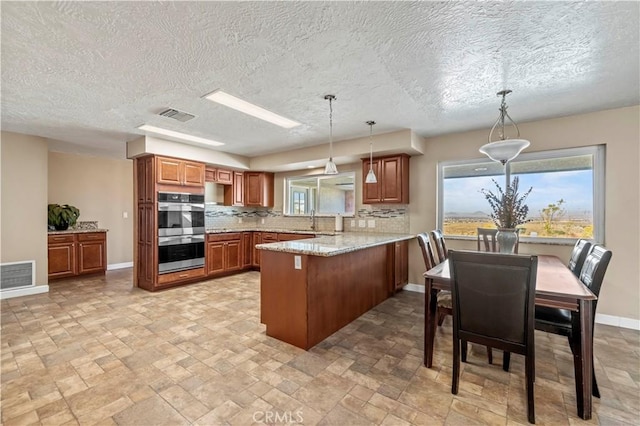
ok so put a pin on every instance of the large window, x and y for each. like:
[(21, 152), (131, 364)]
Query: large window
[(566, 202), (325, 195)]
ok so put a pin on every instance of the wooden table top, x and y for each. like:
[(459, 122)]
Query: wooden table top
[(553, 279)]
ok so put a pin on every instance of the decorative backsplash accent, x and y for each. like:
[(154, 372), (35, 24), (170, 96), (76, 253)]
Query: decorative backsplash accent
[(392, 219), (92, 224)]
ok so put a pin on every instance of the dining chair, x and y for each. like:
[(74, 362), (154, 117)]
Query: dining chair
[(487, 240), (440, 246), (444, 297), (493, 305), (559, 321), (578, 255)]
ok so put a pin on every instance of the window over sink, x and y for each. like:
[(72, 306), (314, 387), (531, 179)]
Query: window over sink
[(324, 195)]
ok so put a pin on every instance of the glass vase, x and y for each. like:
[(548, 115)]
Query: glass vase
[(507, 239)]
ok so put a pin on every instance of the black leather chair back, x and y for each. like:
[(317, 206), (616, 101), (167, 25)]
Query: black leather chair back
[(594, 267), (578, 255), (493, 298), (427, 251), (440, 247)]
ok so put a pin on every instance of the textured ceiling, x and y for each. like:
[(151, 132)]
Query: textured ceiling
[(89, 73)]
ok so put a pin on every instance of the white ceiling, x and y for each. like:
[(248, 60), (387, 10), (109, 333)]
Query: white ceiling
[(89, 73)]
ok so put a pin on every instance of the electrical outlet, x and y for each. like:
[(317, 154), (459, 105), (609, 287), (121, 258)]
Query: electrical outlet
[(353, 223), (361, 223), (371, 223), (297, 262), (262, 221), (239, 220), (125, 215)]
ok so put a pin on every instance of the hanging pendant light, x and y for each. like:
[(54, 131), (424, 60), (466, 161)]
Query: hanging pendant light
[(504, 149), (371, 176), (330, 168)]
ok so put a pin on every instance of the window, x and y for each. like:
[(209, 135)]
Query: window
[(566, 202), (326, 195)]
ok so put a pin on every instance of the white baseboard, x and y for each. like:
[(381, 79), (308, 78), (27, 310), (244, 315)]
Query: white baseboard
[(26, 291), (124, 265), (613, 320)]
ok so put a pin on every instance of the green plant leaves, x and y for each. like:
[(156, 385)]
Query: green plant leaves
[(59, 214)]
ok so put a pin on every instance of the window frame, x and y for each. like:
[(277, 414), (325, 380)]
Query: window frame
[(599, 197)]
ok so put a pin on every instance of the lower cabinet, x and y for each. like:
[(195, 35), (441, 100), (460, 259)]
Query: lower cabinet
[(77, 254), (399, 267), (224, 253), (257, 239)]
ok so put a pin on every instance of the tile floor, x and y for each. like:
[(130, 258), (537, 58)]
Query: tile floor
[(96, 351)]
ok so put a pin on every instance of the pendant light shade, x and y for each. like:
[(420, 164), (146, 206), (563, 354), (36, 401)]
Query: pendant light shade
[(371, 176), (504, 149), (330, 168)]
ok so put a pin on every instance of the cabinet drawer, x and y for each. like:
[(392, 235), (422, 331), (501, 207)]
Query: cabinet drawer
[(223, 237), (58, 238), (269, 237), (180, 275), (291, 237), (92, 236)]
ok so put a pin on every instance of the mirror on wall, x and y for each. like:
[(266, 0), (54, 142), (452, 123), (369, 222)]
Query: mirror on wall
[(326, 195)]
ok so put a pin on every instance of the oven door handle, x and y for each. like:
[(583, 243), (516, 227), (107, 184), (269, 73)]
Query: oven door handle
[(180, 239)]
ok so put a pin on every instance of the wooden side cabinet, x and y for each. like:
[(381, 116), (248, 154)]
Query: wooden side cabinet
[(247, 250), (258, 189), (234, 194), (77, 254), (392, 173), (257, 239), (224, 253), (398, 265)]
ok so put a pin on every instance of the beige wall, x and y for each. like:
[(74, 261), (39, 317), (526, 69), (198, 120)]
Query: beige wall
[(23, 229), (102, 188), (619, 130)]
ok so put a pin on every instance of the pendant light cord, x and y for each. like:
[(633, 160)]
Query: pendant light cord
[(371, 123), (330, 129)]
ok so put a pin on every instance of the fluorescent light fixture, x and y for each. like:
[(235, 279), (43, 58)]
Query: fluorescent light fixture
[(243, 106), (178, 135)]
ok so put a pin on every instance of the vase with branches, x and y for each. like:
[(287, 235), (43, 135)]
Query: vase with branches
[(508, 210)]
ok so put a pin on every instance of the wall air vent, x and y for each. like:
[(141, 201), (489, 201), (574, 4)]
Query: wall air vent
[(16, 275), (177, 115)]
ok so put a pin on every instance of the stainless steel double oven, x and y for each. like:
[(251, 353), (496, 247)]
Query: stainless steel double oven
[(181, 231)]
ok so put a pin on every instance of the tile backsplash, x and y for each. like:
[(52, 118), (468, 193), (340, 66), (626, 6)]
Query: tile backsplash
[(382, 218)]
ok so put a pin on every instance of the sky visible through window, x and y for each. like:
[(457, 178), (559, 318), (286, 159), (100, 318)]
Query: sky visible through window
[(463, 197)]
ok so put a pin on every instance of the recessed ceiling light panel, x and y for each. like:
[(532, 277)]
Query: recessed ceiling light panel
[(248, 108), (178, 135)]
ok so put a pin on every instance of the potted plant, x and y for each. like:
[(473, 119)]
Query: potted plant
[(508, 211), (62, 216)]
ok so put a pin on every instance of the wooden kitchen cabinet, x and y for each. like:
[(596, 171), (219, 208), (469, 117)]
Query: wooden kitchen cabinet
[(173, 171), (234, 194), (285, 236), (247, 250), (145, 179), (392, 173), (221, 176), (224, 253), (258, 189), (399, 265), (257, 239), (76, 254)]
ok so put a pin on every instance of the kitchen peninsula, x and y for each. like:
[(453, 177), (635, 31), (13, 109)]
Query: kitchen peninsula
[(311, 288)]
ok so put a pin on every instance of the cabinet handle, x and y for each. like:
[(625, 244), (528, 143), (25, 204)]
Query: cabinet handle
[(183, 275), (58, 238)]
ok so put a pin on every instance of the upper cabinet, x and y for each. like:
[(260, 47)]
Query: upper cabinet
[(392, 173), (179, 172), (258, 189), (234, 194), (221, 176)]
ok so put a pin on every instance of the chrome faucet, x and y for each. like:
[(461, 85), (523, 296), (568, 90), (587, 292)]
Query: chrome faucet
[(313, 220)]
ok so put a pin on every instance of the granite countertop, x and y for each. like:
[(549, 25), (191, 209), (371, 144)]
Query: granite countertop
[(337, 244), (281, 230), (77, 231)]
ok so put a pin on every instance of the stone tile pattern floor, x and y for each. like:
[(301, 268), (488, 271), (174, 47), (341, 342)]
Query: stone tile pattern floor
[(97, 351)]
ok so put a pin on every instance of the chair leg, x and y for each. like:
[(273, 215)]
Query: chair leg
[(455, 378), (441, 316), (464, 351), (594, 383), (506, 359), (530, 378), (489, 355)]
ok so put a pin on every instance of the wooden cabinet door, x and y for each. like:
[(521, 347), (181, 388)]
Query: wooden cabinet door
[(371, 192), (233, 256), (224, 177), (193, 174), (401, 264), (145, 180), (209, 174), (238, 189), (91, 257), (169, 171), (253, 189), (391, 182), (62, 260), (257, 239), (215, 258), (247, 250)]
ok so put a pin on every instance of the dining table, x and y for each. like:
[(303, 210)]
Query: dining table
[(556, 287)]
